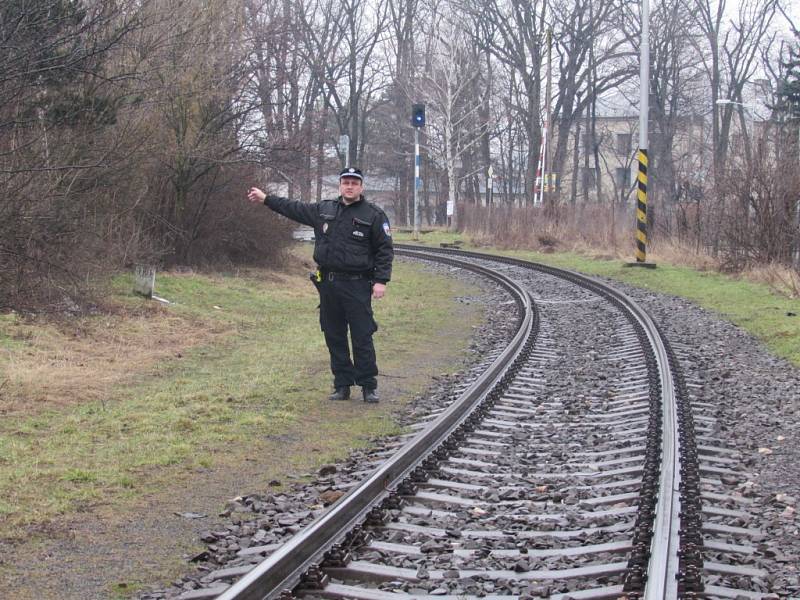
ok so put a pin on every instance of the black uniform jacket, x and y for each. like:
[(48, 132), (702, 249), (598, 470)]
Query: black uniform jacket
[(350, 238)]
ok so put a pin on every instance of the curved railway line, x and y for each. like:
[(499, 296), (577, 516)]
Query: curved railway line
[(575, 466)]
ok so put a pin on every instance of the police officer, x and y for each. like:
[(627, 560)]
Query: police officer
[(353, 251)]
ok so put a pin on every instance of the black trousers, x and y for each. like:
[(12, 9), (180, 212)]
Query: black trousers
[(347, 304)]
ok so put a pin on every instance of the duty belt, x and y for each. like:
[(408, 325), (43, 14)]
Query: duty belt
[(333, 275)]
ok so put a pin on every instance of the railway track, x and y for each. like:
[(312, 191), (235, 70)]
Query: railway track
[(570, 468)]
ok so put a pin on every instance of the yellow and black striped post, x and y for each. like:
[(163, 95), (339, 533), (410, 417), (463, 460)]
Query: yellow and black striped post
[(644, 110), (641, 208)]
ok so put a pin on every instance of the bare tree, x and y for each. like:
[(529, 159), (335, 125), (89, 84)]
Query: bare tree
[(729, 56), (340, 42), (513, 32), (677, 92), (285, 91), (199, 77), (593, 59), (394, 142), (455, 127), (60, 97)]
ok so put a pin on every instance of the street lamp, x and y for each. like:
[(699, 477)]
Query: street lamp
[(748, 106)]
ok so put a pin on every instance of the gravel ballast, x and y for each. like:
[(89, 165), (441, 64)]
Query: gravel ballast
[(756, 408)]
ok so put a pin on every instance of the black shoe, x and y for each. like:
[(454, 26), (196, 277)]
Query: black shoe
[(370, 395), (341, 393)]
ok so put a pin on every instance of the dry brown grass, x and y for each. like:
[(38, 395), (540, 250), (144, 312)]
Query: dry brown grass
[(65, 361), (56, 360), (597, 232), (676, 252), (579, 229), (778, 277)]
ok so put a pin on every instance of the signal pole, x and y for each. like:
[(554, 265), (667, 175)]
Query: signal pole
[(416, 183), (417, 121)]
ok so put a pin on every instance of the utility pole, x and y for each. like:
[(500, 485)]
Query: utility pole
[(644, 108), (546, 175), (344, 147), (542, 176), (796, 249), (489, 185)]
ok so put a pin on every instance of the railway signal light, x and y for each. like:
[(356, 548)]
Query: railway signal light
[(418, 115)]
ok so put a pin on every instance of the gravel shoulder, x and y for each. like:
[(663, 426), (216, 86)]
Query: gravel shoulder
[(757, 400)]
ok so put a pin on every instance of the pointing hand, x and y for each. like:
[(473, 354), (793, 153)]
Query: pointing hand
[(256, 195)]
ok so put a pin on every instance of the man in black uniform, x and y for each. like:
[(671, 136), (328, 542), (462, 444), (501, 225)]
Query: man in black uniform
[(353, 250)]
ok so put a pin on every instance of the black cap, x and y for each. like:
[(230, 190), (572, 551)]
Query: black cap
[(351, 172)]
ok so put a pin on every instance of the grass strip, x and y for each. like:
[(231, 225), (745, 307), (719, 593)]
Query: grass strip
[(211, 401)]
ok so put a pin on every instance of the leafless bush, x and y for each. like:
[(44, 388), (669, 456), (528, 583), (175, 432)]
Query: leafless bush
[(783, 280), (120, 142), (562, 227), (55, 104), (756, 214), (748, 221), (234, 232)]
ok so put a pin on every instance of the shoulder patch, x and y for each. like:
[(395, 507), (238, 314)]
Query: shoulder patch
[(386, 229)]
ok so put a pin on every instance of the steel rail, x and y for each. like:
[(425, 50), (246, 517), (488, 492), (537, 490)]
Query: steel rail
[(283, 569), (664, 564), (663, 567)]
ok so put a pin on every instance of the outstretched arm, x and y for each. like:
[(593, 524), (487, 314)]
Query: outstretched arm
[(302, 212)]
